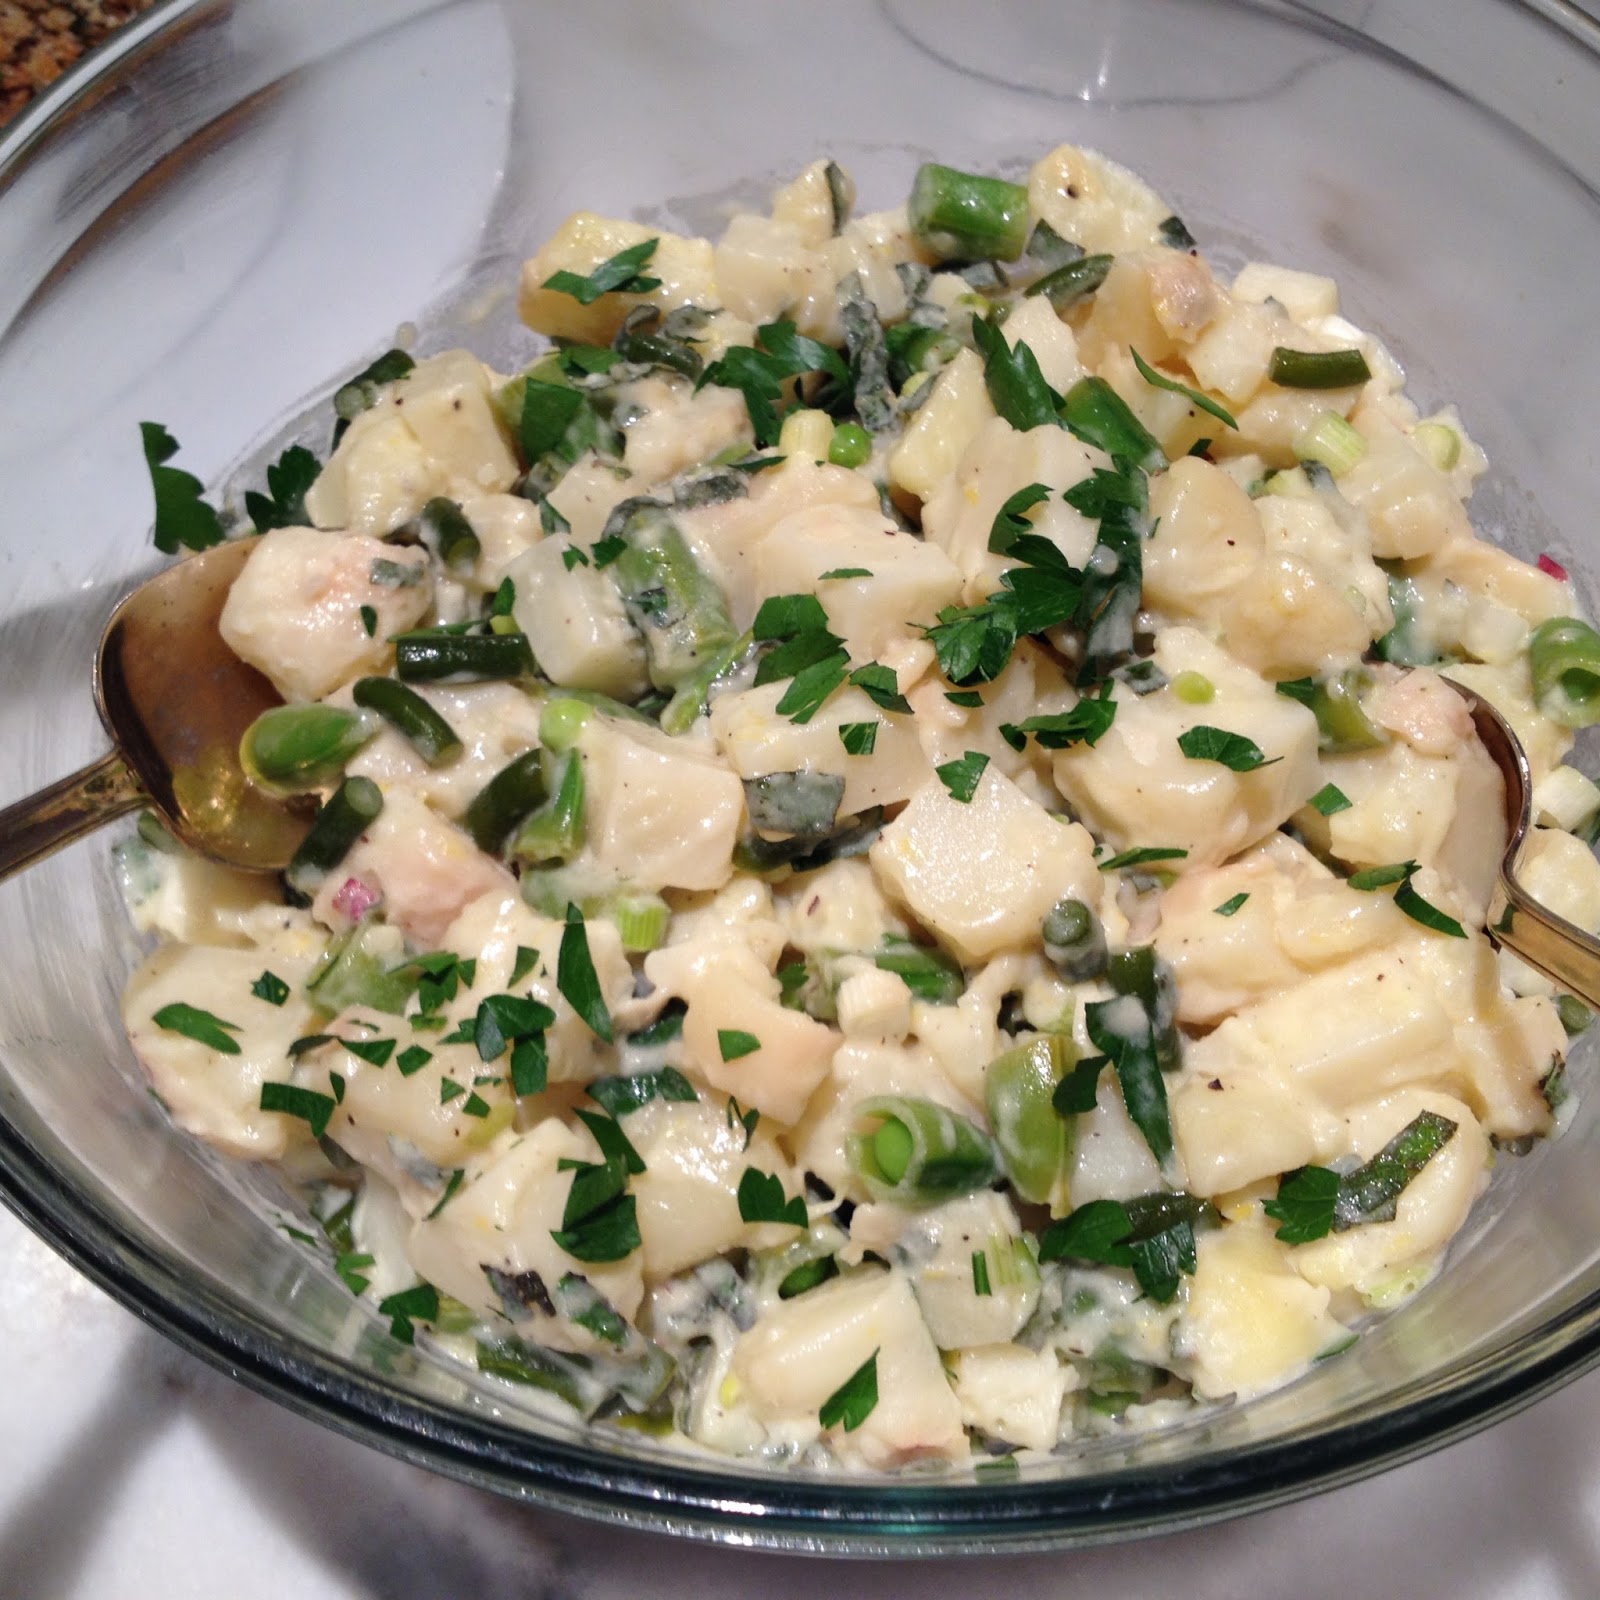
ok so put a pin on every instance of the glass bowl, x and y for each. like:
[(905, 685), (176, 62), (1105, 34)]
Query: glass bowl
[(237, 202)]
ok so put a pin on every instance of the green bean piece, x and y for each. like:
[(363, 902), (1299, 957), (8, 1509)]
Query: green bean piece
[(290, 749), (1035, 1141), (917, 1153), (555, 831), (452, 535), (1317, 369), (1138, 972), (1342, 725), (929, 974), (510, 795), (468, 657), (351, 809), (411, 717), (1067, 285), (678, 609), (962, 216), (1564, 657), (1075, 941)]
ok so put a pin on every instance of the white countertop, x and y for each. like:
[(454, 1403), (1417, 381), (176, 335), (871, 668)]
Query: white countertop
[(129, 1471)]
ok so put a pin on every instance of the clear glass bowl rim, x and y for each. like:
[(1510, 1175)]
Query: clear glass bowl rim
[(710, 1502)]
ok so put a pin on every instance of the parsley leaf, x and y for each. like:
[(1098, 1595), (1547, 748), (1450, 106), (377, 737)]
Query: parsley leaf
[(421, 1302), (738, 1117), (369, 620), (880, 686), (961, 777), (1094, 412), (183, 517), (1231, 904), (859, 738), (735, 1042), (622, 1095), (855, 1399), (1086, 723), (1231, 750), (761, 1199), (1152, 1233), (202, 1026), (526, 960), (845, 572), (1079, 1090), (576, 977), (548, 410), (1160, 380), (783, 616), (1381, 877), (1010, 521), (619, 273), (271, 988), (1314, 1201), (288, 479), (1016, 385), (599, 1222), (375, 1051), (412, 1060), (1124, 1031), (614, 1144), (312, 1108), (1423, 911), (1329, 800), (812, 686), (758, 373)]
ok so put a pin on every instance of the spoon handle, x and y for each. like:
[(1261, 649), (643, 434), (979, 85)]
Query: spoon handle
[(34, 828), (1565, 954)]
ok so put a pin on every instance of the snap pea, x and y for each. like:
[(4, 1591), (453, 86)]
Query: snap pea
[(1075, 941), (452, 535), (510, 795), (294, 748), (917, 1153), (555, 831), (411, 717), (678, 609), (353, 807), (962, 216), (470, 657), (1564, 658), (1034, 1140)]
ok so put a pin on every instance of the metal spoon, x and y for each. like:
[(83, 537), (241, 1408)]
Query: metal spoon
[(175, 700), (1559, 949)]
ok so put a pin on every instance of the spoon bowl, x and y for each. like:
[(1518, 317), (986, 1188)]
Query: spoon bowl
[(176, 700), (1561, 950)]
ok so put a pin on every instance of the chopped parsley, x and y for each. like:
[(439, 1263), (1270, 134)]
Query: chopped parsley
[(284, 503), (622, 1095), (961, 777), (619, 274), (879, 684), (1086, 723), (844, 572), (376, 1051), (311, 1107), (202, 1026), (526, 960), (1011, 521), (735, 1043), (271, 988), (420, 1303), (855, 1399), (1231, 750), (1153, 1234), (183, 517), (1231, 904), (600, 1221), (576, 977), (1160, 380), (1329, 800), (761, 1199), (859, 738)]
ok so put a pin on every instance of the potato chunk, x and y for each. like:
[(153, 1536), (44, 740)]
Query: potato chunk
[(982, 875), (576, 625), (294, 613), (1137, 788)]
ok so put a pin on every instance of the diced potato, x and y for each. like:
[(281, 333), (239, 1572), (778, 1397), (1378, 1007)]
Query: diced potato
[(1430, 1208), (804, 1349), (676, 428), (685, 268), (728, 990), (1409, 503), (1137, 789), (1232, 356), (755, 740), (870, 248), (507, 526), (190, 899), (807, 203), (576, 624), (1303, 295), (941, 428), (661, 812), (213, 1095), (909, 580), (294, 612), (994, 466), (496, 723), (503, 1217), (1208, 539), (589, 491), (1509, 689), (1251, 1319), (435, 432), (1487, 570), (982, 875), (874, 1005), (491, 929), (1012, 1393), (424, 869), (839, 907), (1094, 202), (1035, 323), (762, 266), (687, 1196), (1238, 1129)]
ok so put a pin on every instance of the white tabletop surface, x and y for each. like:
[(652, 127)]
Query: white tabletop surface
[(129, 1471)]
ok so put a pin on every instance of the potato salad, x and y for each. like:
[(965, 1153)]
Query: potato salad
[(898, 874)]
